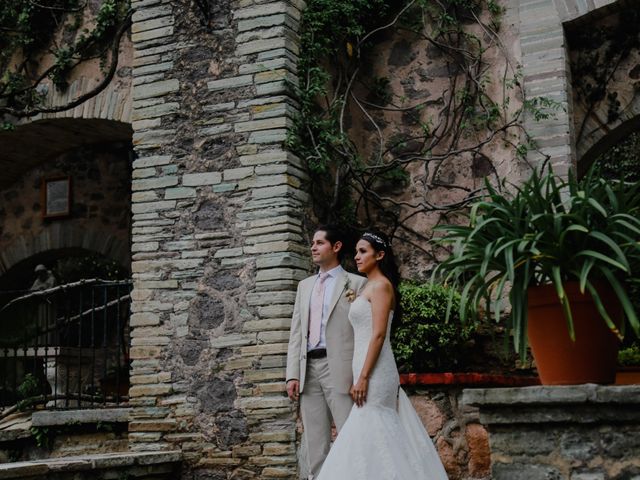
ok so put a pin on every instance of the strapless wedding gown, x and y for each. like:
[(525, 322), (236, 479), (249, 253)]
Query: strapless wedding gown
[(384, 439)]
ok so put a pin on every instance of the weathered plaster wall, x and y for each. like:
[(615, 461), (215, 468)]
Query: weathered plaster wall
[(217, 245), (419, 74), (99, 219)]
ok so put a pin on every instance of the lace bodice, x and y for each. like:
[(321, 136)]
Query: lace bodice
[(384, 380)]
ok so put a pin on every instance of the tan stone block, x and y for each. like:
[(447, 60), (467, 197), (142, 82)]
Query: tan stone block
[(278, 472), (153, 426), (266, 349), (263, 375), (276, 387), (272, 460), (257, 403), (212, 462), (277, 436), (246, 450), (239, 363), (448, 457), (143, 379), (149, 390), (278, 449), (145, 352), (428, 411), (479, 451)]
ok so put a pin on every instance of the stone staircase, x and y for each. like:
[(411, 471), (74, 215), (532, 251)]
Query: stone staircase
[(109, 466)]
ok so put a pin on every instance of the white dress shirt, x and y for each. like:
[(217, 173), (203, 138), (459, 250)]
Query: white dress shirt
[(329, 285)]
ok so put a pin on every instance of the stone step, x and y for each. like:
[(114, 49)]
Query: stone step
[(137, 464)]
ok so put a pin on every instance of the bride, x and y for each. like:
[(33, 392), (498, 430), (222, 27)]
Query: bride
[(383, 437)]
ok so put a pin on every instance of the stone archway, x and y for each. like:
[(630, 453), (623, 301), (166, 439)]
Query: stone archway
[(607, 139), (36, 142), (62, 236), (546, 71), (95, 156)]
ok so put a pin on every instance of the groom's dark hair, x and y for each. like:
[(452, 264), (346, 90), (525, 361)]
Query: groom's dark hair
[(333, 233)]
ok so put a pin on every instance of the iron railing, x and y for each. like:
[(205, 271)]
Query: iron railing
[(66, 346)]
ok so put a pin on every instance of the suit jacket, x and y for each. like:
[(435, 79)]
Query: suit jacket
[(338, 332)]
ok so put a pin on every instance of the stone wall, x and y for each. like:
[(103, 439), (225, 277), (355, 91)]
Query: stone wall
[(218, 246), (462, 442), (217, 242), (99, 220), (583, 432)]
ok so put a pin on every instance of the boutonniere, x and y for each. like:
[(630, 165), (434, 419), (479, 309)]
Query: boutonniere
[(350, 294)]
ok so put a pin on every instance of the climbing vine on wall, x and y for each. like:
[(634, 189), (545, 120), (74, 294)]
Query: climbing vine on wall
[(42, 43), (414, 142)]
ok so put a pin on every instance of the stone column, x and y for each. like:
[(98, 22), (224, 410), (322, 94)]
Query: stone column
[(217, 241), (582, 432), (547, 73)]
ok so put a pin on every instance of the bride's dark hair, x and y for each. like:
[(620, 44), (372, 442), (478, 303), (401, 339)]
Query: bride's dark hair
[(388, 266)]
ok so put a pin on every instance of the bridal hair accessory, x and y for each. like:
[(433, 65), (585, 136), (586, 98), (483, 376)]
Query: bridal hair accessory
[(375, 238)]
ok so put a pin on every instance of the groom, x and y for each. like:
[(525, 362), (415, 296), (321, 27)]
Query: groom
[(321, 345)]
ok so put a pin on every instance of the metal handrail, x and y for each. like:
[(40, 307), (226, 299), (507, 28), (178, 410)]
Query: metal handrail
[(69, 347)]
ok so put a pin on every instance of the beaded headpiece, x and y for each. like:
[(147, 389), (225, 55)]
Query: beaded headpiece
[(375, 238)]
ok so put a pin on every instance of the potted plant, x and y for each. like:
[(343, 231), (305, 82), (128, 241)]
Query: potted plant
[(562, 249)]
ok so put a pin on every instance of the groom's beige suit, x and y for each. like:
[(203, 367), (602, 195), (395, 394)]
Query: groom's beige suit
[(325, 381)]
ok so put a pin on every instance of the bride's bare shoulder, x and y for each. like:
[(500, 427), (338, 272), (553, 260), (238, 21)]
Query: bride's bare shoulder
[(377, 287)]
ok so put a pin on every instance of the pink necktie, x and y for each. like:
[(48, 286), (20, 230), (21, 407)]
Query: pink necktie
[(315, 310)]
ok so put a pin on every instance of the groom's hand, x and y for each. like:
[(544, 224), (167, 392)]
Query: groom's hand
[(293, 390)]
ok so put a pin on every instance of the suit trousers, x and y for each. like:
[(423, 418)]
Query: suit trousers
[(319, 403)]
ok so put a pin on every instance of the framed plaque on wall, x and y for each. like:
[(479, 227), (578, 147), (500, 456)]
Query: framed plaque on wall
[(56, 197)]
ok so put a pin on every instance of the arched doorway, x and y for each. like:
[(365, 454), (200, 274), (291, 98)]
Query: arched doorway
[(64, 274), (64, 333)]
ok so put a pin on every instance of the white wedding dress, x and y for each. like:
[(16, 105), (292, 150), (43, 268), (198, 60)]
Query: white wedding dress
[(384, 439)]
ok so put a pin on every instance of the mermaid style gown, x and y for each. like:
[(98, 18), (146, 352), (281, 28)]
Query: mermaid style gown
[(384, 439)]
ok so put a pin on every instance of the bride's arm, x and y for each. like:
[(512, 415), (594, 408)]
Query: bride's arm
[(381, 298)]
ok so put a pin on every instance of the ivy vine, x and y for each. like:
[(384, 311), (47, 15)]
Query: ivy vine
[(361, 183), (41, 43)]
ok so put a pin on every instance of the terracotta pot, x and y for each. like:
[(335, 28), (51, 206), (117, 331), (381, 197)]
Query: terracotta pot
[(560, 361)]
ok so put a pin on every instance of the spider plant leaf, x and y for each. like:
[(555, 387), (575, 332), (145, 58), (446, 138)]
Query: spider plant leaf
[(595, 204), (498, 303), (564, 301), (603, 258), (613, 246), (602, 310), (623, 298), (584, 272)]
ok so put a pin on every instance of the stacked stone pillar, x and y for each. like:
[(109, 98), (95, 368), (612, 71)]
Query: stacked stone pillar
[(218, 246), (547, 73)]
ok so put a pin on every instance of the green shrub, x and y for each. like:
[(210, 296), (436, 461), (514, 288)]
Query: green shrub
[(629, 357), (424, 341)]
